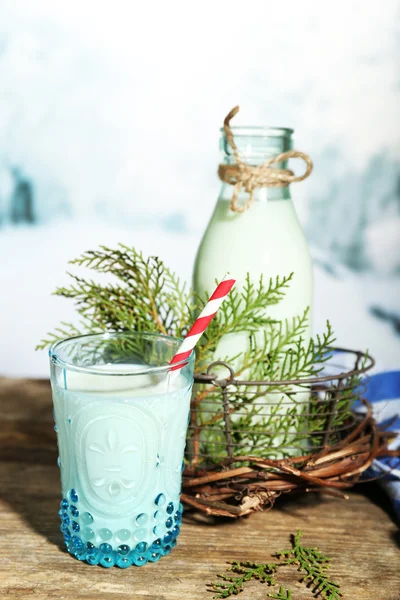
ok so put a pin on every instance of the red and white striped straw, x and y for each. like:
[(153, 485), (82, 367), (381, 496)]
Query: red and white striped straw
[(203, 320)]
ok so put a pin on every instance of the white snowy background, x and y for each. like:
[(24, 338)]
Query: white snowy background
[(109, 126)]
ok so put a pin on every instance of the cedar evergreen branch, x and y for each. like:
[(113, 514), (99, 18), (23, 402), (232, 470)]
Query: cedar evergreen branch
[(143, 294), (311, 561), (314, 564)]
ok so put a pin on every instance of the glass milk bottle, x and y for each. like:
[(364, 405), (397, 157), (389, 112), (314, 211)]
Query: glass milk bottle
[(266, 239)]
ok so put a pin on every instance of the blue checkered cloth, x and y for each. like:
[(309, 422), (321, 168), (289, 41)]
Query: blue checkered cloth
[(383, 392)]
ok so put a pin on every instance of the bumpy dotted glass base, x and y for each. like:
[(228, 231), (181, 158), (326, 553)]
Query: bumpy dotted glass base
[(125, 547)]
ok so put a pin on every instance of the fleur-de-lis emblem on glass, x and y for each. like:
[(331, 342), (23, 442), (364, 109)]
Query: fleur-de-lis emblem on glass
[(112, 452)]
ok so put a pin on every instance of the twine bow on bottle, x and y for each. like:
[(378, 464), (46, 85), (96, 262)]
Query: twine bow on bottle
[(248, 177)]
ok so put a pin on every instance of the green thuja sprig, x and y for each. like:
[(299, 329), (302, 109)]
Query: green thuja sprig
[(309, 560), (243, 311), (314, 564), (245, 571), (142, 294)]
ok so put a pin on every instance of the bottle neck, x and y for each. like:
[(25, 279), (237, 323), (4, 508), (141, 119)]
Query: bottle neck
[(254, 146), (255, 160)]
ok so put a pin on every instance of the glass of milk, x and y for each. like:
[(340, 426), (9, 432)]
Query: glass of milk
[(121, 417)]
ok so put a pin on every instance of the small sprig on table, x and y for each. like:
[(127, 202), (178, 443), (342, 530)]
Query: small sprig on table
[(311, 561), (315, 564)]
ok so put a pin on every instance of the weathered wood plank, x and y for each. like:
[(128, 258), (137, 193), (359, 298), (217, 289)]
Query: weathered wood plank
[(358, 534)]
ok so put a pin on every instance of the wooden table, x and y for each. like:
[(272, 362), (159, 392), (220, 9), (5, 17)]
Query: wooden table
[(359, 535)]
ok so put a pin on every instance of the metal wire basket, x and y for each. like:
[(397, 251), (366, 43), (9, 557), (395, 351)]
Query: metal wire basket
[(250, 441)]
